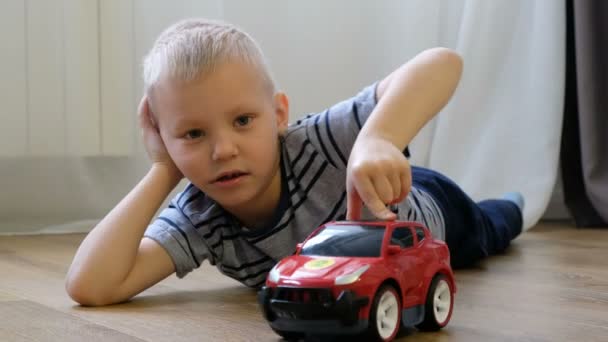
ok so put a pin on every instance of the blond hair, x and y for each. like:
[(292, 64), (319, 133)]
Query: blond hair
[(193, 48)]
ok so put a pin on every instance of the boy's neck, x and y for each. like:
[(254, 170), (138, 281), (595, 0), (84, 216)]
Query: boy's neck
[(254, 219), (261, 211)]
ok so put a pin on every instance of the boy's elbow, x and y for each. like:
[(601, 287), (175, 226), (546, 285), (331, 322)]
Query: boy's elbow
[(448, 58), (84, 294)]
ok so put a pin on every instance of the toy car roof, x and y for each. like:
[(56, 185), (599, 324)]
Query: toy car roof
[(377, 223)]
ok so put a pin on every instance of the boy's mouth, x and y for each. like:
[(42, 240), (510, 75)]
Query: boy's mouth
[(227, 176)]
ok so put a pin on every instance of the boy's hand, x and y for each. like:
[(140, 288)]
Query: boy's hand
[(377, 174), (157, 152)]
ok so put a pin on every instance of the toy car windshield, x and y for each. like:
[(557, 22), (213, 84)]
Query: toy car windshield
[(346, 241)]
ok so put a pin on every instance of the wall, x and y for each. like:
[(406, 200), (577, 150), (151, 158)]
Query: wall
[(69, 146)]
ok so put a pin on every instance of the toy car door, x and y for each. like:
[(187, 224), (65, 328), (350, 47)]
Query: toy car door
[(408, 261)]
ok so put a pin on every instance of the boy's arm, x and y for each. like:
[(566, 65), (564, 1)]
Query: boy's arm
[(114, 263), (412, 95), (378, 173)]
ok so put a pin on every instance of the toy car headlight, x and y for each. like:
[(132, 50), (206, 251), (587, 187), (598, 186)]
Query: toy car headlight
[(351, 277), (274, 274)]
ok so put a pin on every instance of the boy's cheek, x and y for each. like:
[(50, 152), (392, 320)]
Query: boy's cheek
[(179, 156), (187, 161)]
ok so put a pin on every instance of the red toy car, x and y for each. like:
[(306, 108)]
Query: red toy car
[(361, 277)]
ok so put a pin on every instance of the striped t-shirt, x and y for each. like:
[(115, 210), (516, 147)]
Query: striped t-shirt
[(314, 154)]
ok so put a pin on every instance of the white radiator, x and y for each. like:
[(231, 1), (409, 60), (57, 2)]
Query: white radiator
[(67, 85)]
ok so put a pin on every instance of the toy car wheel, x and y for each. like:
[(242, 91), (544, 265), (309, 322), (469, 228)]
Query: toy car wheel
[(439, 304), (385, 314), (289, 335)]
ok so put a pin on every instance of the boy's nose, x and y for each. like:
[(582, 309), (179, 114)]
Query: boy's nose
[(224, 148)]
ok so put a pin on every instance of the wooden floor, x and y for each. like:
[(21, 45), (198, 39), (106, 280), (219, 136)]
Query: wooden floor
[(552, 285)]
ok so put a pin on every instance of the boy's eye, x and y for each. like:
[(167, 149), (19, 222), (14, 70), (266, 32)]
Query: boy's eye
[(243, 120), (194, 134)]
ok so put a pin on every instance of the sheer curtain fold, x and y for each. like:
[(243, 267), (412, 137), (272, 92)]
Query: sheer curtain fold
[(501, 131)]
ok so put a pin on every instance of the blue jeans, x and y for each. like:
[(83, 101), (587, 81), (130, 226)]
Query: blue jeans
[(473, 230)]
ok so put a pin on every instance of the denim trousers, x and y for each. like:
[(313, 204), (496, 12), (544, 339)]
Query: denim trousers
[(473, 230)]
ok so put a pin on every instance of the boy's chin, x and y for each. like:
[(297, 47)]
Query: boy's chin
[(234, 201)]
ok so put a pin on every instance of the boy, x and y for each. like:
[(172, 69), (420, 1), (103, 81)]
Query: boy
[(258, 186)]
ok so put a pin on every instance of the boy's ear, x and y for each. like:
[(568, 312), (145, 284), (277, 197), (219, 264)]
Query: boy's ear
[(281, 108)]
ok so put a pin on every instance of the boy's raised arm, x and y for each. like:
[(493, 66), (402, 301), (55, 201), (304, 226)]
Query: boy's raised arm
[(378, 174), (413, 94), (114, 263)]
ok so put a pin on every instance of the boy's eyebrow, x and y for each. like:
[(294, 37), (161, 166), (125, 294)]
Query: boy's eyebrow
[(179, 123), (238, 111), (239, 108)]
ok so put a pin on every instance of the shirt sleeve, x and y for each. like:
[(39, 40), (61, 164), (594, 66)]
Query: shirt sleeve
[(174, 231), (334, 131)]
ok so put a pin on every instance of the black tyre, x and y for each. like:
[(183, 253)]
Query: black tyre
[(439, 304), (385, 314)]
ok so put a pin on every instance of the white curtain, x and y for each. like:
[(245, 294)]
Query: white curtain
[(499, 133)]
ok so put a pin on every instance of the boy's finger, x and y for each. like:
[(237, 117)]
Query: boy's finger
[(152, 121), (143, 112), (373, 202), (144, 121), (353, 206), (406, 183), (384, 189), (142, 108), (379, 209), (397, 188), (404, 188)]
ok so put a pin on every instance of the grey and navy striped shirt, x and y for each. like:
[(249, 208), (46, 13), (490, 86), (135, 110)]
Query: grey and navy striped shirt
[(315, 150)]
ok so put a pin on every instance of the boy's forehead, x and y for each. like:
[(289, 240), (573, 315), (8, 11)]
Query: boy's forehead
[(226, 89), (227, 77)]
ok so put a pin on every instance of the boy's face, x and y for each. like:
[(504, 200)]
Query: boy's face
[(222, 133)]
